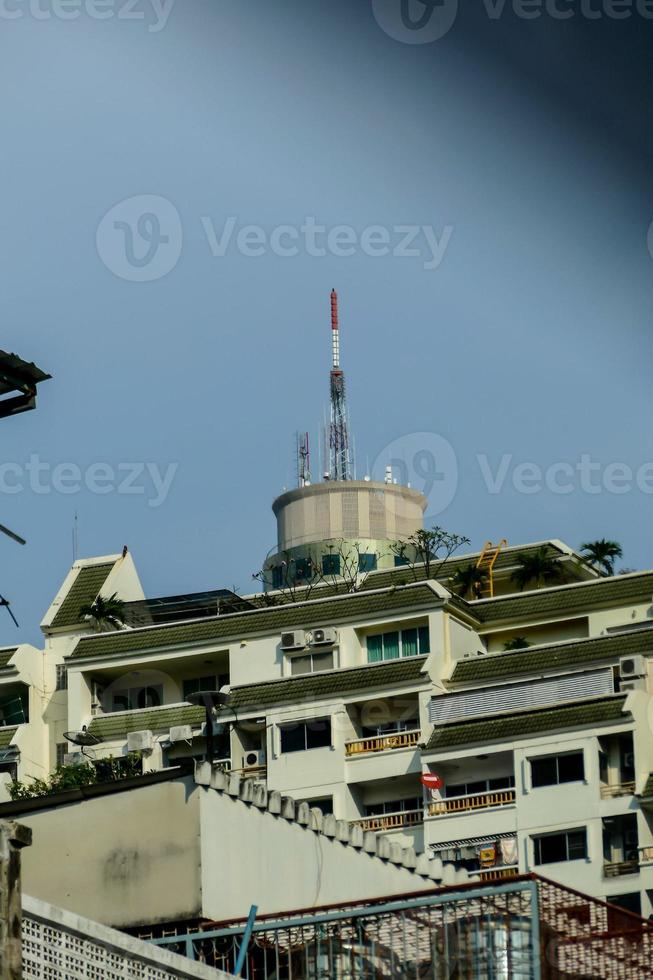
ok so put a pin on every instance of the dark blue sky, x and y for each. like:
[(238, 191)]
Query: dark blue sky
[(525, 143)]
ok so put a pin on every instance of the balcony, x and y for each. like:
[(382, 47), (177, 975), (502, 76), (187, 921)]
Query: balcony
[(618, 789), (615, 869), (492, 874), (382, 743), (390, 821), (646, 855), (464, 804)]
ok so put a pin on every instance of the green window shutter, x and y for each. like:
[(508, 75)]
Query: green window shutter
[(409, 643), (391, 646), (424, 640), (374, 649)]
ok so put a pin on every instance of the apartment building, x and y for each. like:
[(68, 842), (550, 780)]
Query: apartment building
[(394, 707)]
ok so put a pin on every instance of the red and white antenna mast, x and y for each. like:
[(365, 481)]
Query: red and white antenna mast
[(339, 453)]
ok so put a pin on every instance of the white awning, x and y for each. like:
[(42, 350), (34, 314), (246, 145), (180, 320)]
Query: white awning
[(471, 841)]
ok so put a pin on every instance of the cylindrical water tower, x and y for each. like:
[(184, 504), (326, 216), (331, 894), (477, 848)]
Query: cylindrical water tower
[(321, 526)]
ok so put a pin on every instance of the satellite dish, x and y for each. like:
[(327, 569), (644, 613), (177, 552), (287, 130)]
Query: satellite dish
[(431, 780), (208, 699), (83, 738)]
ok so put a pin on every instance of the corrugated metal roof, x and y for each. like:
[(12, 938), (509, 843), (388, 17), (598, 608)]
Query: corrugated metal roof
[(359, 606), (120, 723), (312, 687), (553, 656), (528, 723), (84, 590)]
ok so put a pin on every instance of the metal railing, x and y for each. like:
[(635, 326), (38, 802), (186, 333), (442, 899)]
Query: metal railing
[(615, 869), (618, 789), (381, 743), (478, 801), (390, 821), (492, 874)]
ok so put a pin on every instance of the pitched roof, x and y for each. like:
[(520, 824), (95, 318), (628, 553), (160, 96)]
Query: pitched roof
[(525, 724), (306, 615), (507, 559), (566, 600), (6, 655), (553, 656), (311, 687), (6, 735), (150, 719), (84, 590)]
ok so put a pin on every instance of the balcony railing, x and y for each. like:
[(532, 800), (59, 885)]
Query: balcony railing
[(390, 821), (618, 789), (480, 801), (615, 869), (249, 772), (501, 872), (381, 743)]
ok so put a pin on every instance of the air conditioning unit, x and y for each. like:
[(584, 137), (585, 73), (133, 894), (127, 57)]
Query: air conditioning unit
[(631, 667), (638, 684), (296, 640), (181, 733), (97, 693), (323, 637), (140, 741), (253, 760)]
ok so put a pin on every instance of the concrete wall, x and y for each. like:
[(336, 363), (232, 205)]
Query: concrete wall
[(127, 858)]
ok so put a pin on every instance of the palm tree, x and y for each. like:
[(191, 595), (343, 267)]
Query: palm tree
[(602, 553), (516, 643), (538, 568), (469, 581), (104, 613)]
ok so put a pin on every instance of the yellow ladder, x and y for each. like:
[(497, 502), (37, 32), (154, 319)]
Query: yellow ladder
[(486, 562)]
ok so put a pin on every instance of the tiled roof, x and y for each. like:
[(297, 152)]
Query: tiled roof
[(6, 655), (620, 590), (507, 559), (6, 735), (554, 656), (120, 723), (295, 616), (84, 590), (311, 687), (528, 723)]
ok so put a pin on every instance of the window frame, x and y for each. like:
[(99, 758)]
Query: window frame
[(554, 758), (311, 655), (306, 724), (423, 643), (566, 834)]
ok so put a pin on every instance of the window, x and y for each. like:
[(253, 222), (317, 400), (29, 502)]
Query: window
[(570, 845), (398, 643), (62, 678), (366, 562), (323, 803), (549, 770), (277, 577), (331, 564), (195, 684), (393, 806), (310, 663), (302, 735), (400, 561), (62, 752), (303, 569), (391, 727), (14, 710), (478, 786), (137, 697)]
